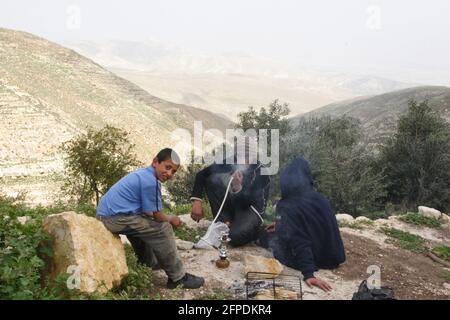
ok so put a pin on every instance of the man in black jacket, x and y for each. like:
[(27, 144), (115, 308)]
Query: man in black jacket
[(307, 236), (245, 203)]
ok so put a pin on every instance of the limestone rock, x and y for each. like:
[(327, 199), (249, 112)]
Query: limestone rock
[(23, 220), (363, 219), (382, 222), (187, 220), (445, 218), (184, 245), (430, 212), (82, 245), (344, 217), (261, 264)]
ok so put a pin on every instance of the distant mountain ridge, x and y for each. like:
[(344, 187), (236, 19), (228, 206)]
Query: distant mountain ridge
[(379, 114), (231, 81)]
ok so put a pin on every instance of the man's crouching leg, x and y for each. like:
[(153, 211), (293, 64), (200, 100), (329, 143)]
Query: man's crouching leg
[(245, 227), (165, 249), (159, 238)]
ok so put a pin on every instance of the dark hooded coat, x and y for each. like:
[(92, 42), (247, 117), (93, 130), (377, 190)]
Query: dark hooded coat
[(307, 233)]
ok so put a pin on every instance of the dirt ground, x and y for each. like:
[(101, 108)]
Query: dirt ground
[(411, 275)]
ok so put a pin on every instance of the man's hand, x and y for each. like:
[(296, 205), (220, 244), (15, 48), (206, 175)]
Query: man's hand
[(270, 227), (197, 210), (318, 283), (175, 221)]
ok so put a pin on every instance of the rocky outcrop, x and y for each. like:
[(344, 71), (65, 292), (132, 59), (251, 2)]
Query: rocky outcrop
[(430, 212), (343, 217), (184, 245), (84, 248), (363, 219)]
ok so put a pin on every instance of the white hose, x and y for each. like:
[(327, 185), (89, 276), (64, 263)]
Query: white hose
[(218, 213)]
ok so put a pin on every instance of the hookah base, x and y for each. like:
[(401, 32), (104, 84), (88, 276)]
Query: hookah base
[(222, 263)]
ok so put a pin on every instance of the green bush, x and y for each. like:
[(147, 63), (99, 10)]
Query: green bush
[(420, 220), (188, 234), (405, 240), (138, 283), (95, 161), (416, 159), (22, 251), (342, 166), (442, 252)]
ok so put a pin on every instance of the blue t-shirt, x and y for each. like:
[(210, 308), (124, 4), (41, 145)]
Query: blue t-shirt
[(136, 193)]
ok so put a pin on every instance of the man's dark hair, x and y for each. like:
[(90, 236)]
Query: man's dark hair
[(168, 154)]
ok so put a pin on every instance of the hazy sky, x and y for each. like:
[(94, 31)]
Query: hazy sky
[(404, 39)]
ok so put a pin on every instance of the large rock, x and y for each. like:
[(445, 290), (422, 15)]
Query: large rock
[(184, 245), (83, 244), (363, 219), (261, 264), (430, 212), (445, 218), (343, 217)]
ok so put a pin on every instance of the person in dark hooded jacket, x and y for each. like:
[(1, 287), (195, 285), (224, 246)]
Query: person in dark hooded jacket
[(307, 236)]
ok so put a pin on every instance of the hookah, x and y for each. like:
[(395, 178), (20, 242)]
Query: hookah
[(223, 261)]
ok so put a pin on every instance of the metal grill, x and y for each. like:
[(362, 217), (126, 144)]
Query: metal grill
[(270, 286)]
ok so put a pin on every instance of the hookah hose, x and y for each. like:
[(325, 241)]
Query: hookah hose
[(220, 210), (218, 213)]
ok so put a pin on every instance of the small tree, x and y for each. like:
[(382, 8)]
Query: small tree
[(274, 117), (95, 161), (180, 187), (342, 167), (417, 159)]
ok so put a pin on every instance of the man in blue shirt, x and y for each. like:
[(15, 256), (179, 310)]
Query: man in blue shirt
[(133, 207)]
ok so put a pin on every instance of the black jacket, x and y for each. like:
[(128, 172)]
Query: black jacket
[(307, 233), (255, 187)]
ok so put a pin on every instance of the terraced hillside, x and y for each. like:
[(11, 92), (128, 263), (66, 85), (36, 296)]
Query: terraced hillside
[(49, 93)]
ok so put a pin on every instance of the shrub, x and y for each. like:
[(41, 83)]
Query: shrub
[(95, 161), (22, 251), (416, 160), (405, 240), (442, 252), (420, 220)]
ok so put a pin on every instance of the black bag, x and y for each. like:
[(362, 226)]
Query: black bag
[(364, 293)]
